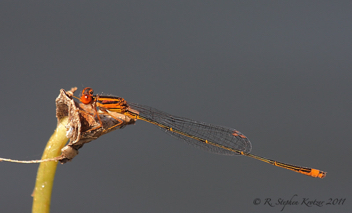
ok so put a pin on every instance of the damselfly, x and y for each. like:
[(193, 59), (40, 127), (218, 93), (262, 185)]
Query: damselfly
[(212, 138)]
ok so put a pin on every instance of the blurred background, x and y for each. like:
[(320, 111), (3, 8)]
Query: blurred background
[(279, 72)]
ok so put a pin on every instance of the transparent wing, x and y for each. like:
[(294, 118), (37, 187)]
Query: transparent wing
[(195, 132)]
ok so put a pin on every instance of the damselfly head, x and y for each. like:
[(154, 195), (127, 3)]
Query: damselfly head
[(87, 95)]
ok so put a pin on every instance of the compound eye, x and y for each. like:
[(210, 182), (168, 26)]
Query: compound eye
[(87, 95)]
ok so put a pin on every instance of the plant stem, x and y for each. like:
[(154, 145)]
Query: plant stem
[(46, 171)]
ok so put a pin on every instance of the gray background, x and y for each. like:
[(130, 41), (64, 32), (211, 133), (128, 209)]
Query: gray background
[(280, 72)]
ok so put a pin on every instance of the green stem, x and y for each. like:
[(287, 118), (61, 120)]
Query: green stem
[(46, 170)]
